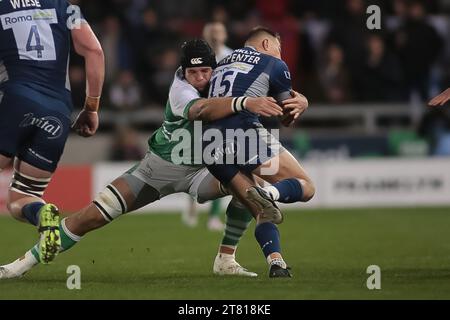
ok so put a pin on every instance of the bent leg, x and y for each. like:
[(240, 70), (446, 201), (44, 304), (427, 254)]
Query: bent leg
[(290, 182), (126, 193)]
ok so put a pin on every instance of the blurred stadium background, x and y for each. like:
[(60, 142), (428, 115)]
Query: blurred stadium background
[(368, 140)]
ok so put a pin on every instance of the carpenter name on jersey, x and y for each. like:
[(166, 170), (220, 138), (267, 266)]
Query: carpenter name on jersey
[(247, 72)]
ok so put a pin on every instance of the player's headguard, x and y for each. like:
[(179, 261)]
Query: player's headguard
[(197, 53)]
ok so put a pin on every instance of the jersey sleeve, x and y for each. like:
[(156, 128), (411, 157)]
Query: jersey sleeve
[(181, 97), (280, 83)]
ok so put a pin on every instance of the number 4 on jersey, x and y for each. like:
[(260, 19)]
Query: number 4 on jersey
[(34, 33)]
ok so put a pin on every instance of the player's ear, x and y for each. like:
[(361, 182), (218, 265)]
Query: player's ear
[(265, 44)]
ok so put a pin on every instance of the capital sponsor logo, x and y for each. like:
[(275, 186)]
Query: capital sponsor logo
[(49, 124)]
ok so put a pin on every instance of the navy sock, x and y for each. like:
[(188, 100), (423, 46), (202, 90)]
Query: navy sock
[(290, 190), (268, 238), (31, 212)]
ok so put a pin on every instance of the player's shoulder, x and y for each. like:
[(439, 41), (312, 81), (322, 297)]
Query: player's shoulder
[(179, 80), (180, 85), (279, 68)]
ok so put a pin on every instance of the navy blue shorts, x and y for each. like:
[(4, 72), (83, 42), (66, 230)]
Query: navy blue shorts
[(245, 145), (31, 129)]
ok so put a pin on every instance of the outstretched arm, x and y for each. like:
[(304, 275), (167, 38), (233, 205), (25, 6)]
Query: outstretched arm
[(441, 99), (217, 108), (87, 45)]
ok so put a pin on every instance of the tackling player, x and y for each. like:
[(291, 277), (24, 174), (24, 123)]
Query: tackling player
[(156, 175), (35, 103)]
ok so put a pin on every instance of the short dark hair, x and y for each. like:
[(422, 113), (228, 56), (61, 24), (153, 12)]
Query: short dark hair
[(259, 30)]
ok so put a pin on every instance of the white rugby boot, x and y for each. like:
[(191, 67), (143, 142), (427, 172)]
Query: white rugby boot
[(19, 267), (226, 265)]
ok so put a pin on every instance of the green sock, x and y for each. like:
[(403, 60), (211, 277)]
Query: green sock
[(238, 219), (68, 240), (214, 211)]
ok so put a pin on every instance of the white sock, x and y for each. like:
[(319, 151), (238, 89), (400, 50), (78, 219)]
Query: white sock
[(274, 194), (23, 264), (278, 261), (69, 233)]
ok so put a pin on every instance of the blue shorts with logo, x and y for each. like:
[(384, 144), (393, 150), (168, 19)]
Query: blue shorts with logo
[(245, 146), (31, 126)]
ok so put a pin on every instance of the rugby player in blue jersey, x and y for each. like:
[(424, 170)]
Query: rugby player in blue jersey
[(255, 71), (35, 103)]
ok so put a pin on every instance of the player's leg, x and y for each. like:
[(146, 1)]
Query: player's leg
[(206, 187), (138, 187), (290, 182), (238, 219), (126, 193), (239, 180), (222, 159), (238, 183), (266, 230), (37, 127), (25, 203)]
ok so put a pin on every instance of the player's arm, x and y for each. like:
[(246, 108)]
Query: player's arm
[(217, 108), (294, 103), (87, 45), (441, 99)]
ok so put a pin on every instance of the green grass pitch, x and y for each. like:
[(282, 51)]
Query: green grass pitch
[(156, 257)]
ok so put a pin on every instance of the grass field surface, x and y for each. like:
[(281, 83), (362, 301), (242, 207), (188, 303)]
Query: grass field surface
[(156, 257)]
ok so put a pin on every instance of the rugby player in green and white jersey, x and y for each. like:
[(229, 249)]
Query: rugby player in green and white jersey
[(157, 175)]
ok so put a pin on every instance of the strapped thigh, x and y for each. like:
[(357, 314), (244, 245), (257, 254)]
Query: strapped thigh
[(27, 185)]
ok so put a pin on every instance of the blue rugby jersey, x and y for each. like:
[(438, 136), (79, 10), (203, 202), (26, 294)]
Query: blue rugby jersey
[(247, 72), (35, 44)]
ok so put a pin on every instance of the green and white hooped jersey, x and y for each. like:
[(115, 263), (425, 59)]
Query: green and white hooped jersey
[(182, 96)]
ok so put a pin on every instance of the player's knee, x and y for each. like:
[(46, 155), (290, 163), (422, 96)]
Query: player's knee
[(308, 190), (110, 203), (14, 210), (95, 220)]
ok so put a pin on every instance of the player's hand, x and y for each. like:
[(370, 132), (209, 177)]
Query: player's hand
[(86, 123), (441, 99), (264, 106), (293, 108)]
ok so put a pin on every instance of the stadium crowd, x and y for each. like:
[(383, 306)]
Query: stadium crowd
[(334, 58)]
